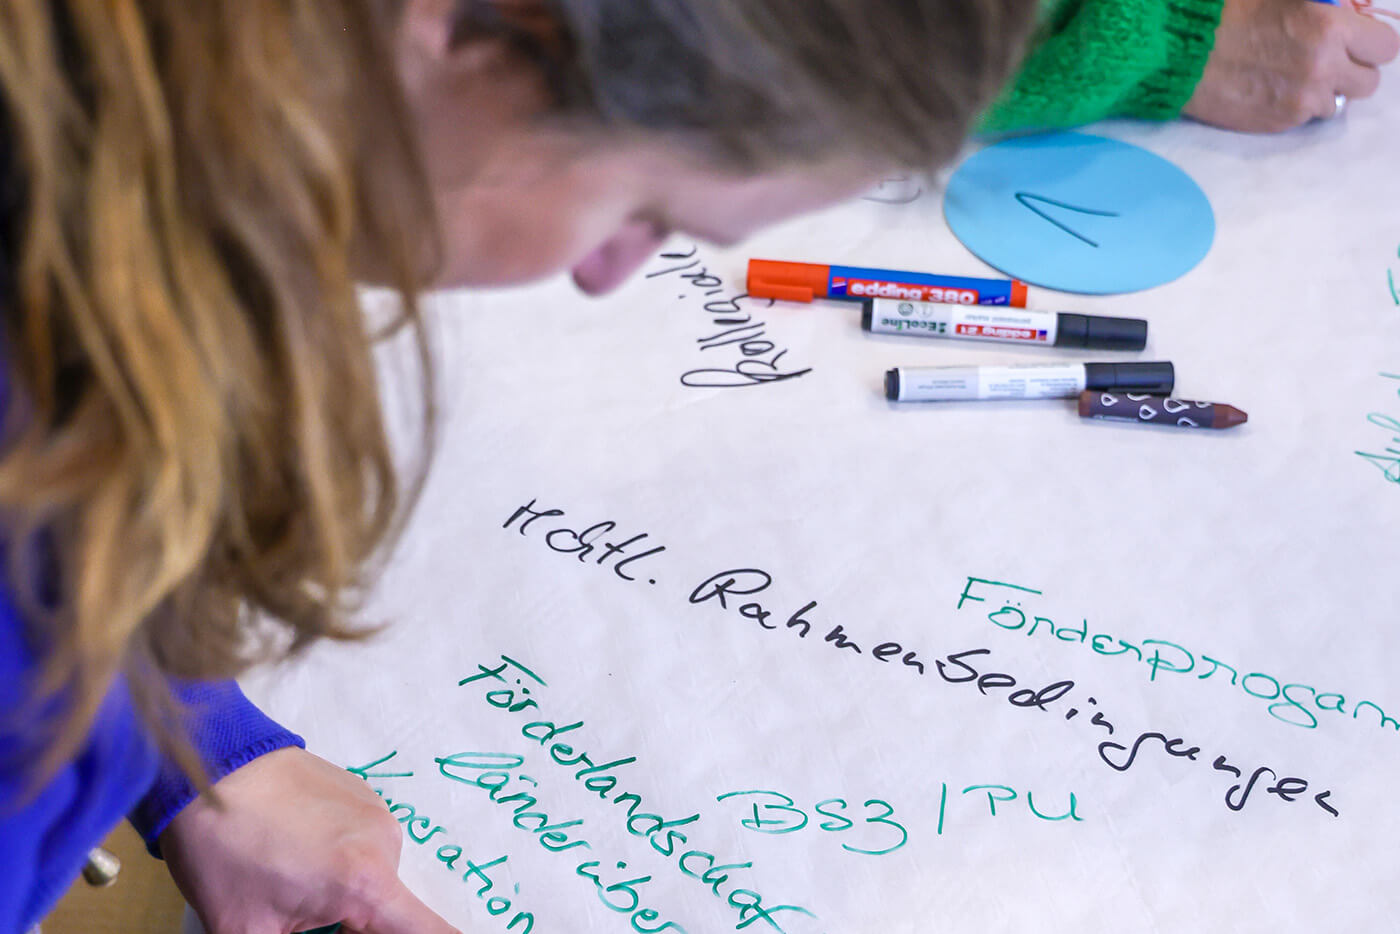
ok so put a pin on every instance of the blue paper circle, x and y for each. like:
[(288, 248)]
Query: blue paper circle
[(1079, 213)]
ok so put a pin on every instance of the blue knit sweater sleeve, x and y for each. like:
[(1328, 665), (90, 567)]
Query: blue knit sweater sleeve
[(227, 731), (47, 829)]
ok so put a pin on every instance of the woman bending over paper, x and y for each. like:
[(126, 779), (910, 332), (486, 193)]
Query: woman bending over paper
[(195, 474)]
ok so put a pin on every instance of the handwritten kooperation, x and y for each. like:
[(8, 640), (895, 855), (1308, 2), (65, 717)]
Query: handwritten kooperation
[(420, 829)]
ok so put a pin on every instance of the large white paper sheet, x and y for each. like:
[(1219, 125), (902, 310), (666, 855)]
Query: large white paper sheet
[(782, 620)]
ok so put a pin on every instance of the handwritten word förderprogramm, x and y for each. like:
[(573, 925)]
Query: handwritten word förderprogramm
[(1292, 703), (750, 357), (735, 591), (1389, 462)]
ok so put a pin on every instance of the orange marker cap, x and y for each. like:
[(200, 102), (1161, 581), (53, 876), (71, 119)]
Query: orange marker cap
[(789, 282), (1018, 293)]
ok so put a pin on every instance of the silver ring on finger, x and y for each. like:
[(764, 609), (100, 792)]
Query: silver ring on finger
[(1339, 105)]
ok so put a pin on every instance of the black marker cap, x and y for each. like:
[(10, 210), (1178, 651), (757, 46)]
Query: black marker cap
[(892, 385), (1156, 378), (867, 313), (1097, 332)]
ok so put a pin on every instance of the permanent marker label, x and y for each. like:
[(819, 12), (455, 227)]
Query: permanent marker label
[(956, 384), (805, 281), (977, 322), (910, 291), (993, 332)]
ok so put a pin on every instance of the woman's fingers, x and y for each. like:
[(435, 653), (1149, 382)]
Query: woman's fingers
[(401, 912), (1358, 81), (1279, 63), (1370, 41)]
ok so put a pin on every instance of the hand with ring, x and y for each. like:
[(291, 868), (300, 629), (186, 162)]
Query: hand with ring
[(1280, 63)]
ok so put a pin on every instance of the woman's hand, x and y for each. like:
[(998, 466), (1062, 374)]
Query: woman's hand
[(297, 844), (1279, 63)]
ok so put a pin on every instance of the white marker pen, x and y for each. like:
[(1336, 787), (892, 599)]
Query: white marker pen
[(1002, 323), (1024, 381)]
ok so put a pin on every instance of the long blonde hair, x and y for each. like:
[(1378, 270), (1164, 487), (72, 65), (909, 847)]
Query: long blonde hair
[(193, 432)]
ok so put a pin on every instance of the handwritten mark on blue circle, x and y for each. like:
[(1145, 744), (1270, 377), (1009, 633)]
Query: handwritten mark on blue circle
[(1079, 213)]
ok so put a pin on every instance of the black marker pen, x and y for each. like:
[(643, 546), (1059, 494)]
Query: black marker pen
[(1000, 323)]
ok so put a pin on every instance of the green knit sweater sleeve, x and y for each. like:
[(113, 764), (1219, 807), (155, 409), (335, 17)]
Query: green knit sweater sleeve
[(1092, 59)]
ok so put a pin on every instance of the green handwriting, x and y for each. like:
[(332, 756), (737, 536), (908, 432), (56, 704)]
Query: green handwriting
[(421, 829), (1292, 702), (1390, 281), (1006, 794), (1389, 462), (791, 819), (601, 778)]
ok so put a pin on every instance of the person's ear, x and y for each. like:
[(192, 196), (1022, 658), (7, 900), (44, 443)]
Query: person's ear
[(445, 66)]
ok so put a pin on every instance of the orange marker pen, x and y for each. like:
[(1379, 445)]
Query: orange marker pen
[(802, 282)]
